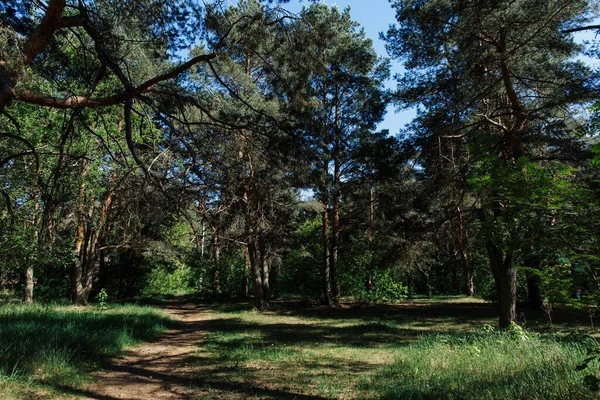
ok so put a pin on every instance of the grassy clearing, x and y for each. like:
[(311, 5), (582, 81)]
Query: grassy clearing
[(485, 366), (55, 346), (418, 351)]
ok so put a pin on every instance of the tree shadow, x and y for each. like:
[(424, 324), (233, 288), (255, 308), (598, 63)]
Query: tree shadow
[(31, 337)]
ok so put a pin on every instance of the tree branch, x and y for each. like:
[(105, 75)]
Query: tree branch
[(84, 101), (581, 28), (38, 41)]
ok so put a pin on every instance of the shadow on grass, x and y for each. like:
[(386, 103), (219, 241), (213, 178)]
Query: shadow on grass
[(49, 342), (248, 355), (428, 313)]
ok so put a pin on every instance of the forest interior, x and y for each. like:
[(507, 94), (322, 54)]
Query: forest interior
[(198, 200)]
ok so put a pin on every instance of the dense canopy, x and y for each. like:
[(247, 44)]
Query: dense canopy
[(168, 146)]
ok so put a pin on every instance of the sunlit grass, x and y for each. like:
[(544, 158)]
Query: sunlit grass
[(384, 353), (485, 366), (55, 346)]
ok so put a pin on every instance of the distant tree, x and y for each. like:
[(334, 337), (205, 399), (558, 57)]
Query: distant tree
[(338, 91)]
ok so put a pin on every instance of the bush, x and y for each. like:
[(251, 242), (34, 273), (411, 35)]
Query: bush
[(169, 281), (385, 287)]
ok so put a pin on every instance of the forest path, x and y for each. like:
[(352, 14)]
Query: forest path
[(162, 369)]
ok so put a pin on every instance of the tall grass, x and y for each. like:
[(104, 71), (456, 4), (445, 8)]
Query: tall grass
[(359, 354), (56, 345), (486, 366)]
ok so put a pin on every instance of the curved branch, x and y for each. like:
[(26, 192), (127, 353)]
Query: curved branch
[(27, 96), (38, 41)]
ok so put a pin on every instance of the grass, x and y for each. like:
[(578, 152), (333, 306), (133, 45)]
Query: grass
[(54, 347), (413, 351), (485, 366)]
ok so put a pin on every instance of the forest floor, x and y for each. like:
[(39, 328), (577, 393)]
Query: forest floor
[(160, 369), (228, 351), (418, 349)]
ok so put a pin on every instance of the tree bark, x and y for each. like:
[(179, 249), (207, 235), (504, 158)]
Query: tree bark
[(246, 282), (325, 236), (28, 298), (265, 269), (335, 231), (29, 282), (505, 277), (217, 260), (89, 235), (257, 284), (468, 277)]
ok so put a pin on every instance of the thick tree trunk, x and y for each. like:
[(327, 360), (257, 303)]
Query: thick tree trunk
[(257, 284), (508, 296), (505, 277), (265, 270), (80, 289), (468, 280)]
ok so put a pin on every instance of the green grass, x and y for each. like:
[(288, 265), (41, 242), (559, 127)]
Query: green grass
[(56, 346), (416, 350), (485, 366), (421, 351)]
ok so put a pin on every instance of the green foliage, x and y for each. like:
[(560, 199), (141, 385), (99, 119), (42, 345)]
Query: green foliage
[(50, 289), (102, 298), (385, 287), (163, 280), (302, 262), (591, 380)]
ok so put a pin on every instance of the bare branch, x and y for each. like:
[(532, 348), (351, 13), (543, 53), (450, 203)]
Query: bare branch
[(581, 28)]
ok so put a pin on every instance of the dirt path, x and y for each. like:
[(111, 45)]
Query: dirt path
[(156, 370)]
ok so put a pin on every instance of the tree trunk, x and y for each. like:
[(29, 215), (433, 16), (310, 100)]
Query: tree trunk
[(89, 234), (335, 233), (257, 284), (505, 277), (28, 298), (265, 269), (508, 296), (325, 235), (217, 260), (468, 277), (246, 282), (29, 283)]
